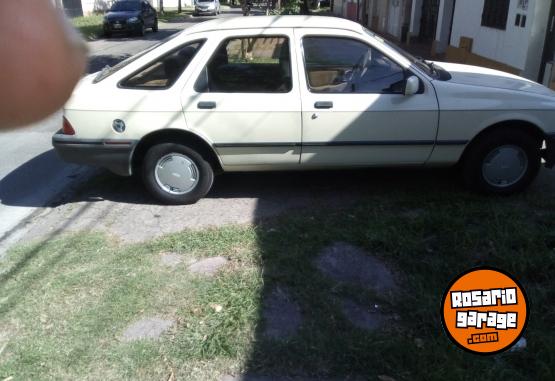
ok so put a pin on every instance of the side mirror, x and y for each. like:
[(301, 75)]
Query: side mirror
[(412, 85)]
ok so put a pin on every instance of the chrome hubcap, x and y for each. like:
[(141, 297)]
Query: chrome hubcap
[(176, 174), (505, 166)]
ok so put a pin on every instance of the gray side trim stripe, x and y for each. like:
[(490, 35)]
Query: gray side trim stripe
[(345, 143)]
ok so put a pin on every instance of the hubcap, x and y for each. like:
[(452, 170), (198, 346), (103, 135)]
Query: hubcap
[(176, 174), (505, 166)]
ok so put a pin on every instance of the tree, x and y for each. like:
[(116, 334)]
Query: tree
[(161, 6), (179, 6), (305, 8)]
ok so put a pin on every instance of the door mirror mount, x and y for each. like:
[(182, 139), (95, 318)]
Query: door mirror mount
[(412, 85)]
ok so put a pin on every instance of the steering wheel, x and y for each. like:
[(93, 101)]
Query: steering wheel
[(359, 69)]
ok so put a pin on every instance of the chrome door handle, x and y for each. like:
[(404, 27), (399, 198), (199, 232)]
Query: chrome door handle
[(323, 105), (206, 105)]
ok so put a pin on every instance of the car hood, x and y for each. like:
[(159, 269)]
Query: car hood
[(121, 15), (484, 77)]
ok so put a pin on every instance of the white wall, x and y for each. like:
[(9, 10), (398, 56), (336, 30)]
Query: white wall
[(538, 29), (508, 46), (444, 25)]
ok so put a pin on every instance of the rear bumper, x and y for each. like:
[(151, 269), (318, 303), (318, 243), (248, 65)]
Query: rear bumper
[(114, 155)]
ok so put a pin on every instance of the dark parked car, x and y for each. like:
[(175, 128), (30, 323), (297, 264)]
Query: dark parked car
[(131, 17)]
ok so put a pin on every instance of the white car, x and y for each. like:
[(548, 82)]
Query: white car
[(207, 7), (296, 92)]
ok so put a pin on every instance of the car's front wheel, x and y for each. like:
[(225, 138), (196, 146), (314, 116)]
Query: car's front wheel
[(503, 162), (176, 174), (155, 26)]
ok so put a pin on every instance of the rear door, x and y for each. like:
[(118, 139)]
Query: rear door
[(244, 98), (354, 111)]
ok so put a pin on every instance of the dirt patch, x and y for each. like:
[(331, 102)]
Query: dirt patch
[(170, 259), (369, 318), (282, 315), (207, 266), (350, 264), (148, 328)]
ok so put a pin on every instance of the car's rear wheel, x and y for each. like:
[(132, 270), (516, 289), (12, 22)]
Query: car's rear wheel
[(502, 162), (176, 174)]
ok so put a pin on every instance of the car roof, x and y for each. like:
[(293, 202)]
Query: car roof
[(267, 22)]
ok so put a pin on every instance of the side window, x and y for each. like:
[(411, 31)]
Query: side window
[(343, 65), (162, 73), (248, 65)]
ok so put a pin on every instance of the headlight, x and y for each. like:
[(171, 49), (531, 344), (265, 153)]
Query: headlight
[(132, 19)]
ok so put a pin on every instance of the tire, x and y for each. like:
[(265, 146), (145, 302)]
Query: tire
[(524, 153), (141, 31), (155, 26), (107, 34), (153, 176)]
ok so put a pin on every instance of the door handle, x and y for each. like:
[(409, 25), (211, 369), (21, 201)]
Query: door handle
[(206, 105), (323, 105)]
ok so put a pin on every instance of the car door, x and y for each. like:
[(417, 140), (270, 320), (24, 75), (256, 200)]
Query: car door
[(244, 98), (354, 111)]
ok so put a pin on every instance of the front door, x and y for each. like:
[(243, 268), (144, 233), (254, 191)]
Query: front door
[(354, 111), (245, 99)]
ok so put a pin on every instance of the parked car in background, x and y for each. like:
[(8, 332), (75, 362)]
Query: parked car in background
[(302, 92), (131, 17), (207, 7)]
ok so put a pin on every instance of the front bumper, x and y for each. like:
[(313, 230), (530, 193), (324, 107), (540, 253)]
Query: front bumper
[(121, 27), (207, 11), (114, 155), (548, 153)]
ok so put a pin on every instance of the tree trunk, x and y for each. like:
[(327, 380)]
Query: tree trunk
[(179, 6), (305, 7), (161, 6)]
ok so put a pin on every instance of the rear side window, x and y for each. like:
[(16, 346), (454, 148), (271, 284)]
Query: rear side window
[(344, 65), (163, 72), (248, 65)]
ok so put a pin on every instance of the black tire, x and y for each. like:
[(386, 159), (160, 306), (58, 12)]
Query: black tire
[(205, 173), (141, 32), (155, 26), (107, 34), (477, 153)]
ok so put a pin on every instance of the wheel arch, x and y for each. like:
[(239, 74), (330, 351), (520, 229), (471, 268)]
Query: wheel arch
[(171, 135), (523, 125)]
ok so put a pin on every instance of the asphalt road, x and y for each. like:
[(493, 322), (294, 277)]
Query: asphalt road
[(31, 175)]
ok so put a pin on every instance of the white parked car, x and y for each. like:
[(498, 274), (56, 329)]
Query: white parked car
[(296, 92), (207, 7)]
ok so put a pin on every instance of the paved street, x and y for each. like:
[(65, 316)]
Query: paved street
[(31, 175)]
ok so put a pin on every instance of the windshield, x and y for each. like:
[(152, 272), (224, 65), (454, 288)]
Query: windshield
[(109, 70), (124, 6), (416, 61)]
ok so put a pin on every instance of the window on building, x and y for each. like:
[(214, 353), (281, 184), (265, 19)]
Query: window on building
[(496, 13), (248, 65), (165, 71), (344, 65)]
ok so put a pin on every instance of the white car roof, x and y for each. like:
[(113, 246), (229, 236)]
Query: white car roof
[(266, 22)]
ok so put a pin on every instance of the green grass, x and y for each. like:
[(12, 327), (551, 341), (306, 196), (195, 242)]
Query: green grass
[(89, 26), (64, 303), (173, 16)]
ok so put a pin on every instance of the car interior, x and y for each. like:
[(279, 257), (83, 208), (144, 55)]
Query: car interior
[(248, 65)]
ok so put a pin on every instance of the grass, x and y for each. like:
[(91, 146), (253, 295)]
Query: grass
[(175, 16), (89, 26), (64, 303)]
